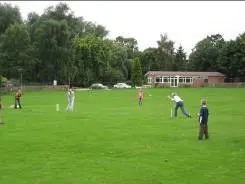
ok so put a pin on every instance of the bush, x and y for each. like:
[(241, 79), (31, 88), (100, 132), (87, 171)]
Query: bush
[(160, 85), (185, 85), (3, 81)]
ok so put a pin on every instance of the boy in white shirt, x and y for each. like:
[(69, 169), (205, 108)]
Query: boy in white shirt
[(71, 99), (179, 104)]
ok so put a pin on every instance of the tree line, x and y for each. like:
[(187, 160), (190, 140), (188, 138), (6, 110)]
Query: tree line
[(57, 45)]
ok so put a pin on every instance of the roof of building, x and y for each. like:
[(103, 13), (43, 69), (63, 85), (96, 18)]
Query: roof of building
[(179, 73)]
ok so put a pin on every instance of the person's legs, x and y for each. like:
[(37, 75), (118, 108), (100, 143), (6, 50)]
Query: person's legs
[(69, 106), (72, 105), (176, 109), (201, 131), (15, 103), (19, 103), (206, 131), (184, 111), (140, 102)]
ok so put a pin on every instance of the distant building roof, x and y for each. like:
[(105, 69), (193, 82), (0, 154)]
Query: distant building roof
[(175, 73)]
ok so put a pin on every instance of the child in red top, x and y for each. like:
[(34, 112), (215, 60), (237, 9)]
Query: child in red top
[(140, 96)]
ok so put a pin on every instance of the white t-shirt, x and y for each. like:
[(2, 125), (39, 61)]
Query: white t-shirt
[(71, 95), (177, 99)]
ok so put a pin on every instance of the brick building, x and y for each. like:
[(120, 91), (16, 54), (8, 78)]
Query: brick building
[(178, 79)]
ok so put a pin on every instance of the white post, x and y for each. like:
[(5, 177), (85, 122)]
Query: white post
[(57, 107), (177, 80), (55, 82)]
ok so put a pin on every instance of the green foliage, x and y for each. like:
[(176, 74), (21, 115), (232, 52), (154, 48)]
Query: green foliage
[(16, 52), (232, 60), (3, 79), (113, 75), (8, 15), (180, 62), (137, 73), (149, 60), (206, 54), (165, 53), (58, 45)]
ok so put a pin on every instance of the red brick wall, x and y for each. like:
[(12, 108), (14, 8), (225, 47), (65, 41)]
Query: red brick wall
[(198, 82), (215, 80)]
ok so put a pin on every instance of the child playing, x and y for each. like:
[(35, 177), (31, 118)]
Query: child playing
[(140, 96), (71, 99), (18, 95), (179, 104), (203, 120)]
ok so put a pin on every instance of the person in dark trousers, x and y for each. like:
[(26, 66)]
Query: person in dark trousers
[(17, 103), (179, 104), (203, 120)]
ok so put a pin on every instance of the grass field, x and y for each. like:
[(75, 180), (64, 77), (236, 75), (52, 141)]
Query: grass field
[(108, 140)]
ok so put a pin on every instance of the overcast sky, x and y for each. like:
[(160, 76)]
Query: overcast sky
[(185, 22)]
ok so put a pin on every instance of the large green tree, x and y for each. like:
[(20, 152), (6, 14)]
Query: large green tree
[(232, 59), (165, 53), (16, 52), (8, 15), (180, 62), (149, 60), (137, 73), (206, 54)]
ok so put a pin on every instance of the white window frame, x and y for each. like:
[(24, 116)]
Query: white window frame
[(160, 79), (149, 80), (165, 77), (190, 78)]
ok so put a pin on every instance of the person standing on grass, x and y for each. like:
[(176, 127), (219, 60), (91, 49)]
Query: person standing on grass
[(179, 104), (18, 96), (71, 99), (140, 96), (203, 120)]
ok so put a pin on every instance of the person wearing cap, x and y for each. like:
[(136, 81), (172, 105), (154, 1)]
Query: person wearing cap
[(179, 104)]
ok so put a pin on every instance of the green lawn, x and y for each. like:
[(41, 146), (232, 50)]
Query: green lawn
[(108, 140)]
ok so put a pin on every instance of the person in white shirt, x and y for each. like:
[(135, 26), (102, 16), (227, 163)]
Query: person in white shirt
[(179, 104), (71, 99)]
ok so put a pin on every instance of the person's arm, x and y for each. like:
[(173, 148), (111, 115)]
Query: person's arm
[(200, 115), (171, 98)]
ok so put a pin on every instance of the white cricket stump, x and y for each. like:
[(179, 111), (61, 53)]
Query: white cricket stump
[(57, 107)]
